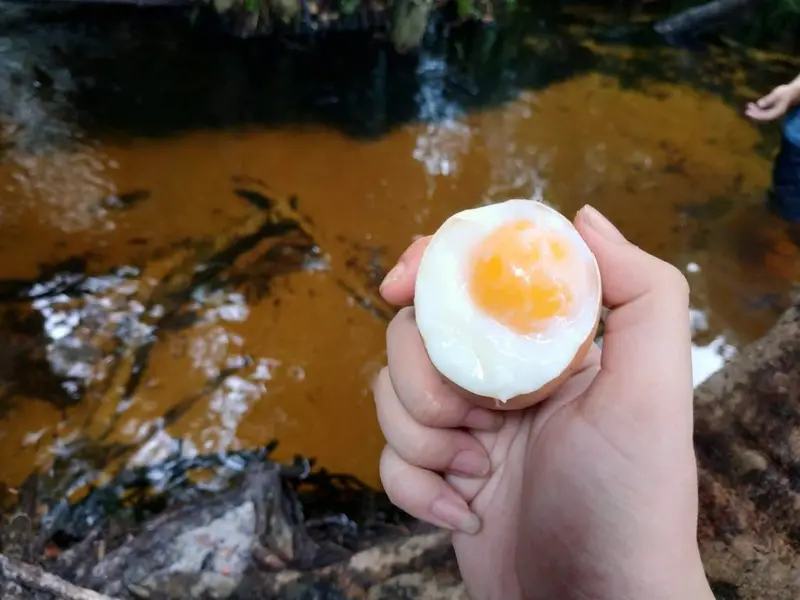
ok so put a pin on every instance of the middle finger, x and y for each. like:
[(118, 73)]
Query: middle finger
[(443, 450)]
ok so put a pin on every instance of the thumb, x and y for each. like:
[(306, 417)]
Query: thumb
[(397, 287), (647, 335), (770, 99)]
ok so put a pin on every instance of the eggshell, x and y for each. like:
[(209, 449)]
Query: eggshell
[(533, 397)]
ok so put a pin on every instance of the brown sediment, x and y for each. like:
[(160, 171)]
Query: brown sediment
[(283, 342)]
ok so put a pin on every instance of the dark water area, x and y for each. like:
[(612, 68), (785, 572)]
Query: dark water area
[(117, 69), (122, 66), (193, 227)]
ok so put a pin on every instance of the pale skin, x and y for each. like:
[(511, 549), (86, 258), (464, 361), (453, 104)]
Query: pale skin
[(591, 494), (775, 104)]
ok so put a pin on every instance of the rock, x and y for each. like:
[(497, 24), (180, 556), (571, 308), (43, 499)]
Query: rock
[(203, 551), (747, 436), (417, 585), (175, 585), (419, 563)]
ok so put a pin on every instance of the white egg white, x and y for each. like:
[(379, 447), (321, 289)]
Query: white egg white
[(468, 346)]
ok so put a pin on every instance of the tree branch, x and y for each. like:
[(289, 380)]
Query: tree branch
[(39, 579)]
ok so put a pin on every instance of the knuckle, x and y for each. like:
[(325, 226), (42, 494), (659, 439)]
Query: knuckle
[(389, 476), (394, 331), (673, 281), (431, 408), (387, 482), (430, 454), (380, 382), (392, 328), (380, 394), (403, 316), (679, 283)]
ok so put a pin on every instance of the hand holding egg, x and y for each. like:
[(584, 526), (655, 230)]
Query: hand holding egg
[(589, 489)]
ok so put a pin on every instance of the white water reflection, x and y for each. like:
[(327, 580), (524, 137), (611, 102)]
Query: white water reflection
[(707, 360), (98, 311), (446, 137), (515, 172), (710, 358)]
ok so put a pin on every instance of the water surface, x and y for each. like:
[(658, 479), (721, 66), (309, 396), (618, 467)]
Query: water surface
[(193, 229)]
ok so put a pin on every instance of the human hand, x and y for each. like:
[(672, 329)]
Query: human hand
[(590, 494), (774, 105)]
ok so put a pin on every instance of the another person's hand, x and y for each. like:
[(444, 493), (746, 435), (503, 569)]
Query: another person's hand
[(591, 494), (775, 104)]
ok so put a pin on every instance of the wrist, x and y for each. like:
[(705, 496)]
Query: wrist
[(695, 584), (794, 90), (684, 580)]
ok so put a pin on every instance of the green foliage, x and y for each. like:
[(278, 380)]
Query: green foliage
[(782, 14), (465, 8), (788, 6), (348, 7), (251, 5), (775, 26)]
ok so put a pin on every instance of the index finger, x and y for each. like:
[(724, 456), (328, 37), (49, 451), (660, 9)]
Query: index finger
[(397, 287), (427, 396)]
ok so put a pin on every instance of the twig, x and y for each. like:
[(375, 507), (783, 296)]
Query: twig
[(37, 578)]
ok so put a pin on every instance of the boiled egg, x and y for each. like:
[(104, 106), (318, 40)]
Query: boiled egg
[(507, 301)]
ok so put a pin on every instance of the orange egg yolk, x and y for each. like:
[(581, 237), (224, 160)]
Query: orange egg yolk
[(512, 278)]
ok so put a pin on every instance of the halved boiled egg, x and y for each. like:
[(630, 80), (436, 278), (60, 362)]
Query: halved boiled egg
[(507, 301)]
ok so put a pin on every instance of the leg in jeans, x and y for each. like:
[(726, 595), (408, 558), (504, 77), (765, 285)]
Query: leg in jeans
[(785, 194)]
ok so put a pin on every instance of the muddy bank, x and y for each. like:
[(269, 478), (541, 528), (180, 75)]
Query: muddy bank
[(252, 540)]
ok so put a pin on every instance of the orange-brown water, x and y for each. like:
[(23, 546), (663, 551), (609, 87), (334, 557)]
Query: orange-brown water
[(282, 342)]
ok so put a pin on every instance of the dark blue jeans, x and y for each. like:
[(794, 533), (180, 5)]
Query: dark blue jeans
[(785, 194)]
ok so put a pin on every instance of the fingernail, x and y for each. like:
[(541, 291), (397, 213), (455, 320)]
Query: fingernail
[(600, 224), (470, 463), (455, 514), (486, 420), (393, 275)]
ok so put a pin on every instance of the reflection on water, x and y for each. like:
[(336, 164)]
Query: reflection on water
[(192, 243), (708, 357)]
